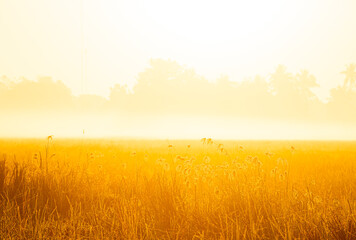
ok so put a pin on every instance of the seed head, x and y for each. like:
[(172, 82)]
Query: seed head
[(166, 166)]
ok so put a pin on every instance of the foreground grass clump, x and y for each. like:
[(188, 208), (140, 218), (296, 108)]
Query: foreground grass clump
[(116, 189)]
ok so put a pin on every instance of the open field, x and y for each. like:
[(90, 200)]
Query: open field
[(141, 189)]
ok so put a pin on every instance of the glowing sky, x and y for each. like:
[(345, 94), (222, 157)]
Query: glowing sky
[(236, 38)]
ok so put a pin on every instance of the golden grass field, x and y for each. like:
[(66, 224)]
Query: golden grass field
[(209, 189)]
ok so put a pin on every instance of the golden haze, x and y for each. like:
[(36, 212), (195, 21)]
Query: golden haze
[(96, 48), (84, 85), (169, 100)]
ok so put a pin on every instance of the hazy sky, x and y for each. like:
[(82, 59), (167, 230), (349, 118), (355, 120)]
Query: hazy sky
[(235, 38)]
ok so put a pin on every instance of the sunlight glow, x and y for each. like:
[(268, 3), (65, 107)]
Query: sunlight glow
[(213, 65)]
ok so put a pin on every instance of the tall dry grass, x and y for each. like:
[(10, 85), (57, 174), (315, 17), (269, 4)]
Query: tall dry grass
[(116, 189)]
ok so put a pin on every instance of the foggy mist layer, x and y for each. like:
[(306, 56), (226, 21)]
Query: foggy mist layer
[(173, 101)]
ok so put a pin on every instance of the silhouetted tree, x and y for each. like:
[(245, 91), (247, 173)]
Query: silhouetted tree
[(281, 81), (306, 81), (350, 76), (43, 94)]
